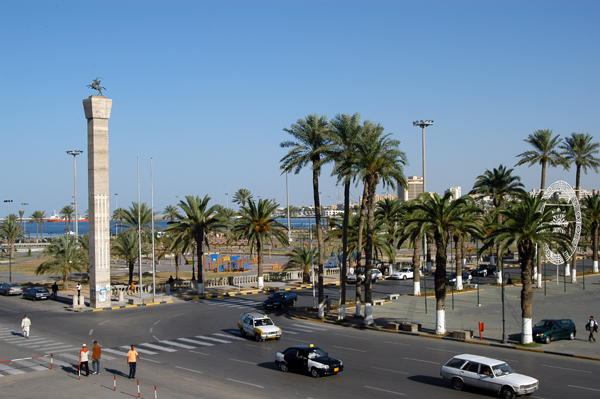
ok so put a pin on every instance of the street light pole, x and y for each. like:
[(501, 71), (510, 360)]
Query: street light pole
[(7, 202), (75, 153), (227, 202), (22, 224), (287, 195), (423, 125)]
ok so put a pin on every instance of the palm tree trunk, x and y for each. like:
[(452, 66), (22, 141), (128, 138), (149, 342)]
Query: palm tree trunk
[(416, 266), (460, 264), (361, 223), (595, 248), (321, 311), (343, 272), (440, 285), (369, 252), (200, 249), (259, 250), (131, 271), (176, 266), (526, 255)]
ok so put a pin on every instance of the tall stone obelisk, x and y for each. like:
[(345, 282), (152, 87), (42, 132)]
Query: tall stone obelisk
[(97, 112)]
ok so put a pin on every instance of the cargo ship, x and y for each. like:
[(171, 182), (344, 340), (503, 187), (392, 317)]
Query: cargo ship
[(57, 218)]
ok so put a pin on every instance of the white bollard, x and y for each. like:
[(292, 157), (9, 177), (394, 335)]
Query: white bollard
[(75, 301)]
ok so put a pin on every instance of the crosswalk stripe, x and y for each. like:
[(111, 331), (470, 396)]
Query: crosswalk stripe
[(310, 327), (295, 328), (22, 339), (147, 352), (230, 336), (36, 343), (177, 344), (289, 332), (213, 339), (10, 370), (72, 357), (161, 348), (195, 342), (36, 367), (62, 348), (114, 352)]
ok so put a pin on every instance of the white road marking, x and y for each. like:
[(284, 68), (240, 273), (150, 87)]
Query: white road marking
[(385, 390), (175, 315), (200, 353), (392, 371), (295, 328), (229, 336), (310, 327), (91, 331), (114, 352), (177, 344), (243, 361), (295, 340), (258, 346), (350, 336), (395, 343), (23, 339), (60, 349), (590, 389), (105, 321), (150, 360), (419, 360), (563, 368), (213, 339), (195, 342), (247, 383), (147, 352), (442, 350), (350, 349), (158, 347), (35, 344), (155, 323), (151, 328), (10, 370), (193, 371), (155, 337), (72, 357), (36, 367)]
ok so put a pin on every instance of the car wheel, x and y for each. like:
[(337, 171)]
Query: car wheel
[(548, 339), (507, 393), (403, 277), (33, 298), (484, 274), (294, 303), (458, 384), (283, 367), (314, 372), (242, 332), (257, 337), (571, 335), (5, 293)]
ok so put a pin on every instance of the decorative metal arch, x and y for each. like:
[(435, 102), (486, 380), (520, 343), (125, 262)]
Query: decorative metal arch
[(564, 190)]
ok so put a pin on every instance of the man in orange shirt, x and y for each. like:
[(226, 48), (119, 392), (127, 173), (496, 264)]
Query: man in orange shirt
[(83, 360), (132, 358), (96, 354)]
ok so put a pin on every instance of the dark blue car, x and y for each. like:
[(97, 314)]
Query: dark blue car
[(280, 299)]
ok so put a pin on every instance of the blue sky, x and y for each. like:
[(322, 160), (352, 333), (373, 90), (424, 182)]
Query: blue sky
[(205, 88)]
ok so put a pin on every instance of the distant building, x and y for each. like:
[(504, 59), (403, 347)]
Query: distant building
[(415, 188), (381, 197), (456, 192)]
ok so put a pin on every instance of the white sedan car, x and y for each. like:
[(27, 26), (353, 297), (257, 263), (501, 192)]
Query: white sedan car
[(486, 373), (405, 273)]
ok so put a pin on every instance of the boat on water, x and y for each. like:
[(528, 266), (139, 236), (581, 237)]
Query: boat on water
[(55, 217)]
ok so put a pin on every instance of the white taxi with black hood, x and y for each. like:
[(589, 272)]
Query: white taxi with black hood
[(308, 359)]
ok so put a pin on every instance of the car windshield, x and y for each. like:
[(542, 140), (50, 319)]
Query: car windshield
[(502, 369), (12, 284), (277, 295), (315, 353), (263, 322), (545, 324), (405, 270), (42, 290)]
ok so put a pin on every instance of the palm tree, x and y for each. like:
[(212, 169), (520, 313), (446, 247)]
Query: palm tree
[(592, 212), (242, 196), (119, 216), (198, 220), (171, 213), (139, 217), (500, 185), (545, 153), (67, 214), (379, 160), (39, 218), (65, 256), (308, 147), (580, 150), (406, 233), (259, 226), (170, 246), (301, 257), (525, 224), (11, 229), (436, 216), (126, 247), (345, 131)]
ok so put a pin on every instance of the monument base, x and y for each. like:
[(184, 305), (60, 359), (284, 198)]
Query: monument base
[(147, 298)]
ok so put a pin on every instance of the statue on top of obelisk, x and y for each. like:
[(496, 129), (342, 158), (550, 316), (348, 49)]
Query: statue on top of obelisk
[(96, 86)]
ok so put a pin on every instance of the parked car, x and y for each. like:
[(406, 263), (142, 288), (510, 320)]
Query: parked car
[(11, 289), (483, 270), (308, 359), (489, 374), (258, 325), (548, 330), (280, 299), (36, 293), (405, 273), (451, 279), (376, 276)]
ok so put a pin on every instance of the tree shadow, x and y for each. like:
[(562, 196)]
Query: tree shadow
[(116, 372)]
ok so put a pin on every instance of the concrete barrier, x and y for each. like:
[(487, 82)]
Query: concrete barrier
[(462, 334)]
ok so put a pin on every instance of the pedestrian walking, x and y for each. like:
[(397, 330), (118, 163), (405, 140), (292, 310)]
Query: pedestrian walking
[(26, 326), (328, 304), (96, 355), (83, 360), (78, 289), (132, 288), (592, 327), (55, 290), (132, 358)]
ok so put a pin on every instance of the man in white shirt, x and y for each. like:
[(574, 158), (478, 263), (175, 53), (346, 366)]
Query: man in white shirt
[(83, 359), (26, 326)]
